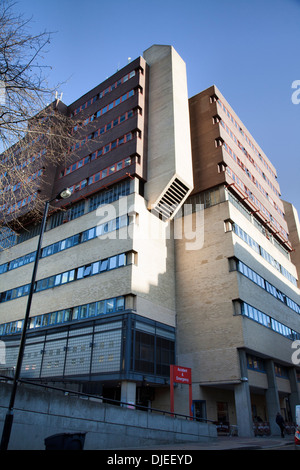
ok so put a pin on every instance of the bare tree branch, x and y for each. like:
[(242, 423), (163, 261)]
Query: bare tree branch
[(35, 137)]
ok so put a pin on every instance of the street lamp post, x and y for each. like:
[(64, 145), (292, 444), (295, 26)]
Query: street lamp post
[(10, 412)]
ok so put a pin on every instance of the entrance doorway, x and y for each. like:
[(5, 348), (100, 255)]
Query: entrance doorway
[(199, 410)]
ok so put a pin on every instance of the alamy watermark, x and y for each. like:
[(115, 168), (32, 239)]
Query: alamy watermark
[(2, 353), (296, 94), (144, 225), (296, 354)]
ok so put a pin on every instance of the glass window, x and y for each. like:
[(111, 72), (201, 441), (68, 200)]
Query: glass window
[(122, 260), (62, 245), (26, 289), (60, 315), (113, 262), (104, 265), (95, 267), (89, 234), (80, 272), (84, 311), (76, 312), (55, 247), (99, 230), (100, 307), (110, 305), (92, 309), (64, 277), (120, 303), (87, 271)]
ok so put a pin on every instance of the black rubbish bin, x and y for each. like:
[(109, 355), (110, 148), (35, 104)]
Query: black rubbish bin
[(65, 441)]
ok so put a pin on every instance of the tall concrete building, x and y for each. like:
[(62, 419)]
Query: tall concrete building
[(172, 249), (237, 297)]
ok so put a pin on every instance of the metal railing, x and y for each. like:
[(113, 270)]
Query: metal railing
[(105, 400)]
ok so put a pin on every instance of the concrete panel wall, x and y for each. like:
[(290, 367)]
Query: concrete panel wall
[(208, 331), (169, 141), (39, 414)]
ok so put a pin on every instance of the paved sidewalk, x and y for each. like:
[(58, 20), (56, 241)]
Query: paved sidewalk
[(226, 443), (239, 443)]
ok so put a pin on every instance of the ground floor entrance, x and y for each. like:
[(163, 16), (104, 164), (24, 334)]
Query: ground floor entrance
[(222, 406)]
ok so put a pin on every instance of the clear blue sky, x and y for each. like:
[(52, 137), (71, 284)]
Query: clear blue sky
[(248, 48)]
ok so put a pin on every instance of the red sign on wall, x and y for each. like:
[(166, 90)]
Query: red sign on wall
[(182, 375)]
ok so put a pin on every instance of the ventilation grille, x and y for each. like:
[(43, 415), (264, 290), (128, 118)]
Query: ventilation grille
[(171, 199)]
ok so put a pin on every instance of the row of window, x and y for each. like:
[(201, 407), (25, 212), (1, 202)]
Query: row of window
[(246, 137), (101, 174), (21, 203), (260, 281), (256, 247), (255, 201), (26, 162), (252, 178), (80, 208), (249, 193), (18, 185), (107, 108), (8, 238), (81, 312), (104, 92), (237, 142), (89, 234), (102, 130), (98, 267), (257, 364), (264, 319), (249, 216), (98, 153)]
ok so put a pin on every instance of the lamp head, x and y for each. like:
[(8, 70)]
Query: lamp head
[(64, 194)]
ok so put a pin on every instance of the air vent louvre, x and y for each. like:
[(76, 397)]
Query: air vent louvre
[(170, 200)]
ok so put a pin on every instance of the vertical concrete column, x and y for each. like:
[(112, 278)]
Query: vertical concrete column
[(169, 136), (243, 401), (294, 397), (272, 397), (128, 392)]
